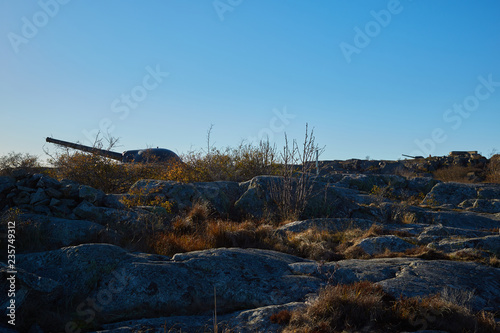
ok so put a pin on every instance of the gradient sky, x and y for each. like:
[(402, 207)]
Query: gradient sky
[(374, 78)]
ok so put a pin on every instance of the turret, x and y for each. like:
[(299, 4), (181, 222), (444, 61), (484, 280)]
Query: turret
[(147, 155)]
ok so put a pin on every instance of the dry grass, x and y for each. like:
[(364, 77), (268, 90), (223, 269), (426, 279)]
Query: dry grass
[(197, 230), (366, 307), (456, 173), (283, 317)]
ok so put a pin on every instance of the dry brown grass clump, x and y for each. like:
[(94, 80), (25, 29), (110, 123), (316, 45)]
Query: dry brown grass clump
[(197, 230), (366, 307)]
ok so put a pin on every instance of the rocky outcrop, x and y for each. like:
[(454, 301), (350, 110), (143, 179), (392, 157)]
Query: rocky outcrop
[(415, 277), (76, 274), (476, 197), (137, 285), (41, 194), (130, 286)]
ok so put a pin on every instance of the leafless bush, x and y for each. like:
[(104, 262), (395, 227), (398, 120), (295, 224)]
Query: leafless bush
[(296, 169)]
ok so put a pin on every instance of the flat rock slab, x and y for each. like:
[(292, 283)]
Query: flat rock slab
[(436, 233), (129, 286), (377, 245), (56, 232), (248, 321), (327, 224), (455, 219), (488, 243), (415, 277)]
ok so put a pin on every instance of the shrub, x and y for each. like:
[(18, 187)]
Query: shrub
[(144, 197), (231, 164), (292, 194), (13, 160)]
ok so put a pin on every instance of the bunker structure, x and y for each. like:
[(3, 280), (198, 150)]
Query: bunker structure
[(147, 155)]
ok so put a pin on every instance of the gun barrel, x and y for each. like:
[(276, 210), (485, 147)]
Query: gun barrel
[(102, 152)]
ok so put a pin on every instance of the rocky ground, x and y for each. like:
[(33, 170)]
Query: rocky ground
[(76, 272)]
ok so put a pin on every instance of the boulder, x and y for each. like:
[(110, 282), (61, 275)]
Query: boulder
[(378, 245), (22, 198), (53, 193), (70, 189), (113, 201), (256, 200), (453, 194), (90, 194), (48, 182), (221, 195), (449, 193), (38, 196), (86, 210), (6, 184)]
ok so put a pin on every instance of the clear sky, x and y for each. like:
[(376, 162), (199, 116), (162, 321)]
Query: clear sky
[(374, 78)]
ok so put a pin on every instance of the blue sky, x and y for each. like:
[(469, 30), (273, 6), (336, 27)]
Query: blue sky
[(374, 78)]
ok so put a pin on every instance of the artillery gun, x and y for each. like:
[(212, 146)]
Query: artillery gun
[(148, 155), (414, 157)]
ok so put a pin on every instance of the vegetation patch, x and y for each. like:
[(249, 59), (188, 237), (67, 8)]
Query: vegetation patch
[(366, 307)]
